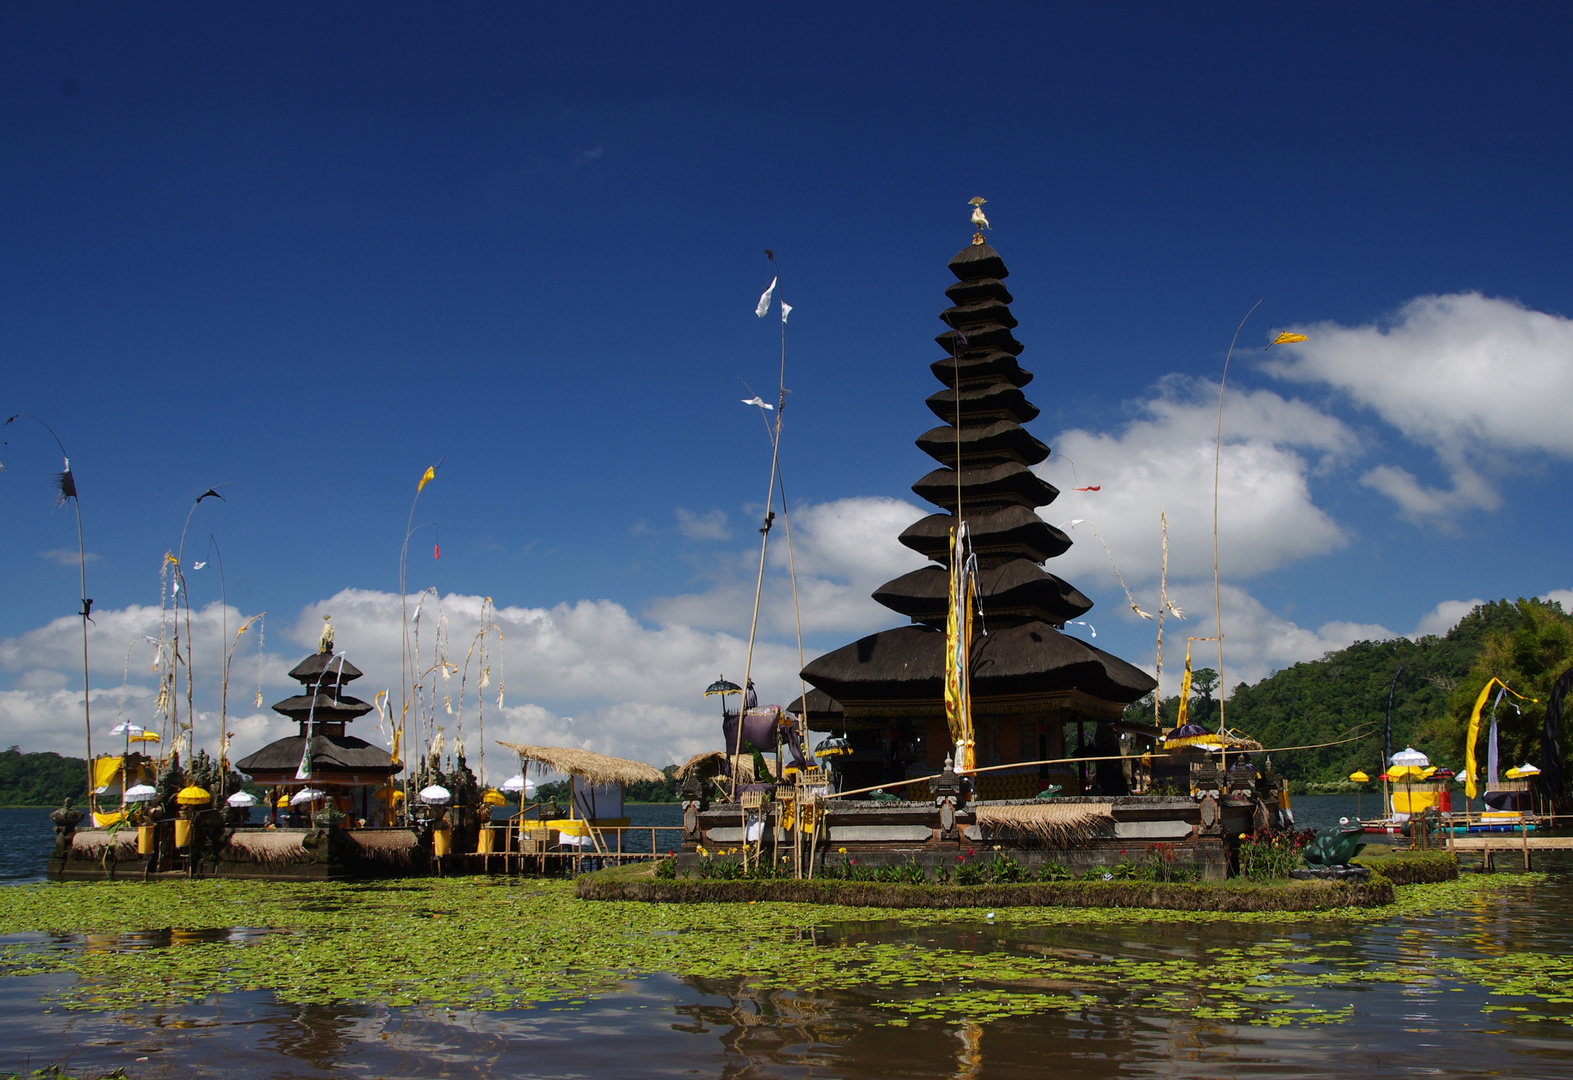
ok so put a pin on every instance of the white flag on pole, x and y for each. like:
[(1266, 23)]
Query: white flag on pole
[(786, 309), (765, 298)]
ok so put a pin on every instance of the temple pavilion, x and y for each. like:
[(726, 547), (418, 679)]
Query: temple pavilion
[(1037, 692), (344, 767)]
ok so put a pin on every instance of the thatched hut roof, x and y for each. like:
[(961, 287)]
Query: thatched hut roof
[(712, 763), (595, 768)]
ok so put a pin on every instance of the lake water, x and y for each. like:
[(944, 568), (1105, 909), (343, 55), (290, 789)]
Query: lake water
[(1477, 980)]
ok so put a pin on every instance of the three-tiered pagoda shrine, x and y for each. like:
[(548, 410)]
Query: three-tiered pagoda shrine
[(1030, 679), (338, 764)]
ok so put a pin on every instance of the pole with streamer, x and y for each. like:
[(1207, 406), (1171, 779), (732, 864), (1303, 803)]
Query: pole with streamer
[(67, 483)]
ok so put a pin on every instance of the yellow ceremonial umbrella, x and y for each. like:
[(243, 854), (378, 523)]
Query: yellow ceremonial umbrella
[(1358, 777), (193, 796), (494, 798)]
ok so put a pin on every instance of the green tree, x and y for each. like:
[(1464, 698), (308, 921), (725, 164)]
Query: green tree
[(1528, 657)]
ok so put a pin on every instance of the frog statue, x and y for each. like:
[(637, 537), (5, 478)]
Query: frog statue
[(1336, 846)]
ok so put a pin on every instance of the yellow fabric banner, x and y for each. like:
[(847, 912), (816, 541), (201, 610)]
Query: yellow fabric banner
[(106, 771), (428, 475), (1473, 736), (1185, 688), (958, 652)]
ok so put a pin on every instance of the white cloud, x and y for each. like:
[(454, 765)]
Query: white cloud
[(1442, 618), (1256, 641), (711, 526), (1467, 375), (843, 551), (1163, 460), (68, 556), (631, 689), (1561, 596)]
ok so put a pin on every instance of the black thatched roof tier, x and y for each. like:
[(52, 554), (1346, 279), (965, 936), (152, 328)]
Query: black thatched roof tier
[(987, 336), (328, 709), (1015, 529), (983, 404), (998, 485), (329, 754), (317, 665), (977, 290), (978, 365), (1034, 658), (979, 313), (821, 708), (997, 442), (1013, 590), (978, 261)]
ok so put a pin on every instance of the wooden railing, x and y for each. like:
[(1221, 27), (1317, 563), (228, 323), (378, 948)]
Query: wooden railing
[(607, 847)]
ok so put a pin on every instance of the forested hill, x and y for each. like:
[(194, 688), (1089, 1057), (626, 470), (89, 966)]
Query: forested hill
[(1324, 700), (40, 779)]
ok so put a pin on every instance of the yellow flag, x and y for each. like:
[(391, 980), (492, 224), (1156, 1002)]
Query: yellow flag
[(1185, 689), (429, 474), (1473, 736), (1286, 338)]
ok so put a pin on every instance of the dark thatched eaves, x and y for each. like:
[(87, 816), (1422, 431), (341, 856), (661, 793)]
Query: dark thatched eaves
[(1013, 530), (329, 753), (998, 485), (1018, 587), (1032, 658), (988, 444), (328, 709), (325, 667)]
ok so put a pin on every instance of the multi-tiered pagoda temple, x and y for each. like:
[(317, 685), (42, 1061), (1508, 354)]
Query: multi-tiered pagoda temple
[(1032, 683), (339, 764)]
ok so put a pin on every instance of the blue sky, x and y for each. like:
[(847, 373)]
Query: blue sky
[(310, 251)]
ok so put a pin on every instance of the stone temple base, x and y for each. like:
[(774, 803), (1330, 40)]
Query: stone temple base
[(1331, 873), (877, 834)]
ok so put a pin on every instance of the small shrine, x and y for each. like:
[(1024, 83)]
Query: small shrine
[(338, 766)]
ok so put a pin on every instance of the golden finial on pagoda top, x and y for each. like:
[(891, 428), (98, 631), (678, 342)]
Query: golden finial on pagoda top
[(977, 218)]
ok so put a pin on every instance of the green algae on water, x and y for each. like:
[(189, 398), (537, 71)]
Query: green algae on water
[(482, 944)]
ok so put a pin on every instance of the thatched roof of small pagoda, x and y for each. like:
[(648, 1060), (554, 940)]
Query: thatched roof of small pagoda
[(713, 763), (594, 768)]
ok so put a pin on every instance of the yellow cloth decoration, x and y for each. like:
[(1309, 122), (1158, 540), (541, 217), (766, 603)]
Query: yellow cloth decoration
[(106, 770), (1474, 730), (1286, 338), (958, 650), (429, 474), (1185, 688)]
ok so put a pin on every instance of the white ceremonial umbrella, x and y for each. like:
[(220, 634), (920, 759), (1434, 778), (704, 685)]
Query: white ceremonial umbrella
[(519, 784), (306, 795), (141, 793), (1410, 756), (241, 799), (436, 795)]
